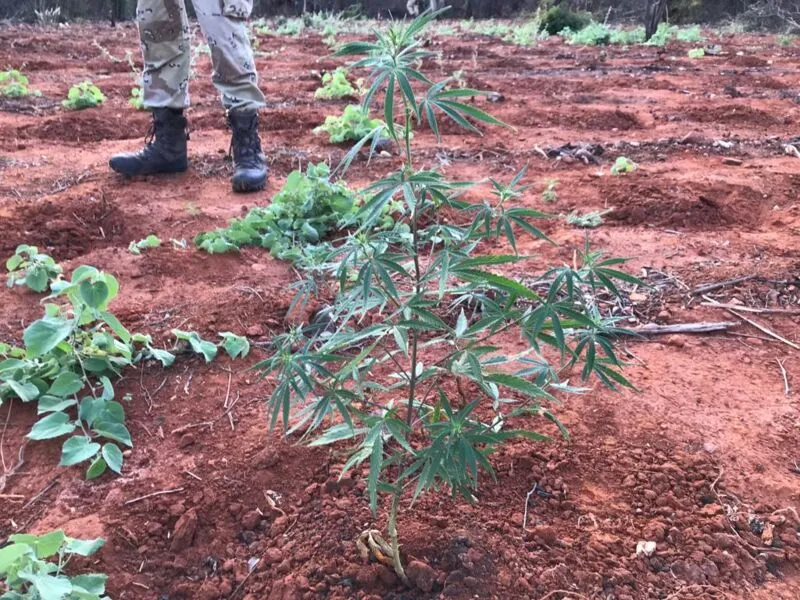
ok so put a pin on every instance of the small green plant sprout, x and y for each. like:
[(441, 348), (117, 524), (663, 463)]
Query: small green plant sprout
[(197, 344), (13, 84), (31, 268), (623, 166), (336, 86), (83, 95), (594, 34), (33, 567), (137, 98), (695, 53), (151, 241), (353, 125), (785, 40), (236, 346), (416, 300), (589, 220), (550, 194)]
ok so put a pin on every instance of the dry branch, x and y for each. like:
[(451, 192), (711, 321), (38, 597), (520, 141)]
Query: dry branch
[(653, 329)]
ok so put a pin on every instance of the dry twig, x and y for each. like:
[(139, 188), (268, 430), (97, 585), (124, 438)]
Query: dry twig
[(152, 495)]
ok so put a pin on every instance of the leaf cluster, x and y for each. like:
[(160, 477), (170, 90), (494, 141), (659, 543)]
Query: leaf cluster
[(301, 215), (32, 567), (68, 361), (335, 86), (83, 95), (151, 241), (13, 84), (31, 268), (352, 125)]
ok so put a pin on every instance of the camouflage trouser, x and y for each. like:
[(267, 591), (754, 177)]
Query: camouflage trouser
[(167, 52)]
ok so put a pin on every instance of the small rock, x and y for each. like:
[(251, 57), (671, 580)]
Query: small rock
[(255, 331), (693, 137), (421, 575), (251, 520), (273, 556), (187, 439), (709, 510), (637, 297), (185, 528), (646, 549), (495, 97), (732, 162)]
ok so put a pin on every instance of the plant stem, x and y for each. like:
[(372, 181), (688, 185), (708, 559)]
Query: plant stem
[(393, 539), (412, 334)]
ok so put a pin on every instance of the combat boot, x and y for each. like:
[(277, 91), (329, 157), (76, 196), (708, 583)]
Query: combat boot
[(249, 166), (164, 150)]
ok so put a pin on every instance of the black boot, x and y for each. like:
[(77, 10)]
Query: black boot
[(249, 167), (165, 147)]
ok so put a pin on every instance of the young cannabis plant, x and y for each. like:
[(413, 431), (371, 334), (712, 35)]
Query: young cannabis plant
[(32, 567), (31, 268), (406, 364), (83, 95)]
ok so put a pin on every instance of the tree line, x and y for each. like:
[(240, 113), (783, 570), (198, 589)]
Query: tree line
[(761, 13)]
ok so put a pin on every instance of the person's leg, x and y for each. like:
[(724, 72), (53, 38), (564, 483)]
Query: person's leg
[(166, 52), (224, 25)]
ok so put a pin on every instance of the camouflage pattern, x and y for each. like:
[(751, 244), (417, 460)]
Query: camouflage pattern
[(167, 51)]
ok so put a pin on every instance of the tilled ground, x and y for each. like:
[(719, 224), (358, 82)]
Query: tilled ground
[(703, 460)]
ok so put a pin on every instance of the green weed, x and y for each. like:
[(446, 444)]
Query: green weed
[(352, 125), (336, 86), (13, 84), (31, 268), (151, 241), (33, 567), (84, 95)]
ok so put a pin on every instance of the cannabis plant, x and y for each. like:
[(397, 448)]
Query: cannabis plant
[(405, 364)]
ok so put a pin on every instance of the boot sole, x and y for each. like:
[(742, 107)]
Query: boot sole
[(245, 187), (177, 168)]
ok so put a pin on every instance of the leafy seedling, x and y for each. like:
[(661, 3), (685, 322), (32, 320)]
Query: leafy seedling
[(33, 567), (13, 84), (31, 268), (589, 220), (197, 344), (84, 95), (352, 125), (336, 86), (695, 53), (236, 346), (137, 98), (550, 193), (151, 241), (623, 166), (404, 368)]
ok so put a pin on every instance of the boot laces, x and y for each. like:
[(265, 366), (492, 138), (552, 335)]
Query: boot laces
[(245, 145)]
